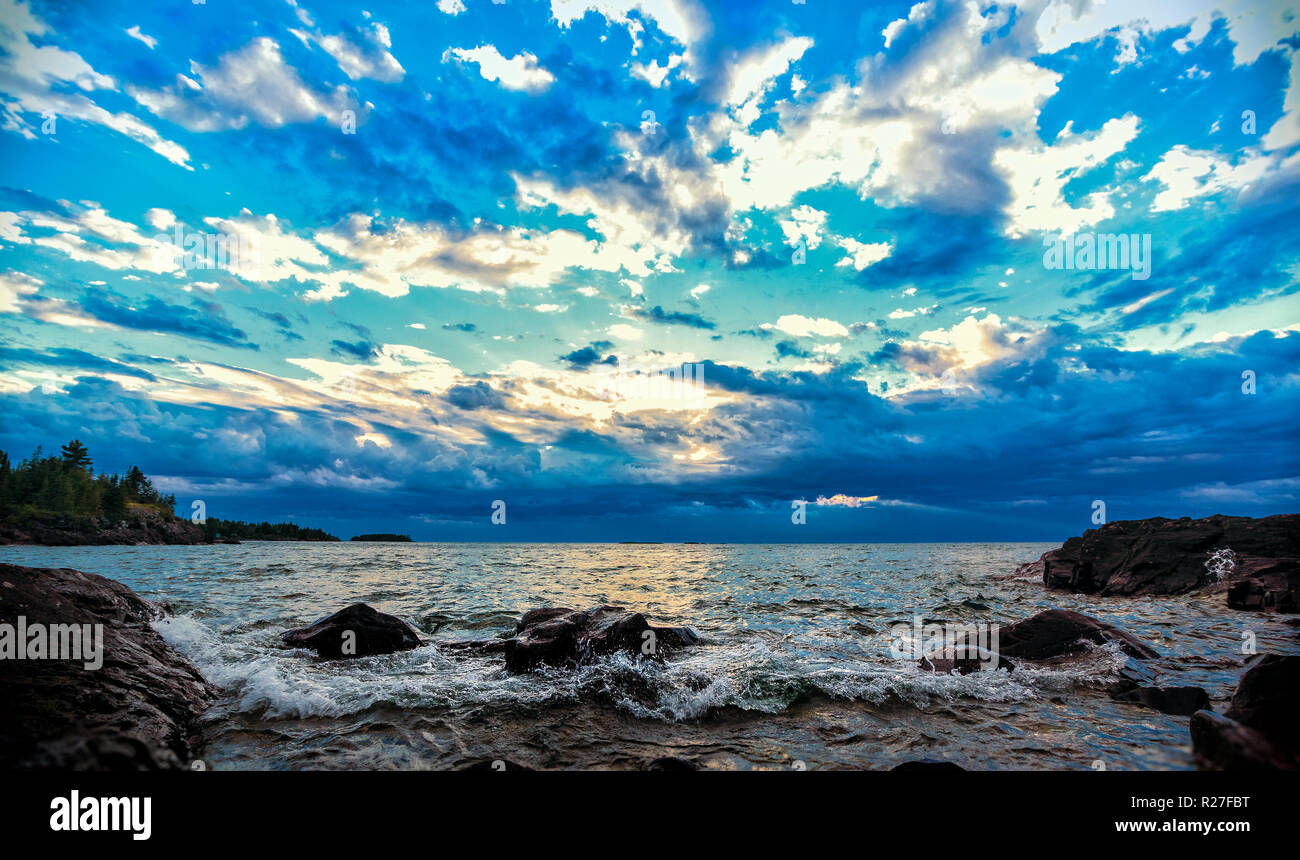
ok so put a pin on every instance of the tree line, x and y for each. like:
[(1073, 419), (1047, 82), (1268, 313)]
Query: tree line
[(66, 485), (49, 487)]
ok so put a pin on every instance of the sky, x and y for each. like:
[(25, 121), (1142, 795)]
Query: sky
[(659, 269)]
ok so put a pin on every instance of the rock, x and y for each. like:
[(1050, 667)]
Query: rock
[(558, 636), (373, 632), (1265, 584), (1260, 730), (1163, 556), (1183, 701), (1055, 632), (138, 711), (947, 660)]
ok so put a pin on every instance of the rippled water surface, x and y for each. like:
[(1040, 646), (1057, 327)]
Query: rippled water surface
[(795, 669)]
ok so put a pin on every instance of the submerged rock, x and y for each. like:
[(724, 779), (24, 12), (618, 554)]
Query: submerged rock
[(357, 631), (1260, 730), (1163, 556), (558, 636), (138, 710), (1057, 632)]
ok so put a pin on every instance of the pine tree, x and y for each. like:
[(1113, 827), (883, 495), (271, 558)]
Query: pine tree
[(75, 455)]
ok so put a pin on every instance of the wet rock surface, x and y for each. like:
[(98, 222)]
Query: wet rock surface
[(139, 710)]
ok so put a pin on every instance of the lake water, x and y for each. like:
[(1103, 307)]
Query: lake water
[(795, 670)]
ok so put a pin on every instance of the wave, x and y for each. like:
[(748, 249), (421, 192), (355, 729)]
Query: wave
[(260, 680)]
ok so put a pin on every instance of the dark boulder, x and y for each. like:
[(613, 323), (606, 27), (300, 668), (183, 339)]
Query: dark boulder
[(1163, 556), (558, 636), (1057, 632), (139, 710), (372, 632), (1260, 730)]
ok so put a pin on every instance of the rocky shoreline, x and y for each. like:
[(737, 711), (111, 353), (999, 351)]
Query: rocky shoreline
[(140, 528), (142, 708)]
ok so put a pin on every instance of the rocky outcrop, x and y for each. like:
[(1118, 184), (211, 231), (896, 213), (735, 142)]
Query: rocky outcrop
[(145, 526), (357, 631), (1260, 730), (558, 636), (1163, 556), (1058, 632), (137, 710)]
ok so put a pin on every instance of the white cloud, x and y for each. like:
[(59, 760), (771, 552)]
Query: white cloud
[(752, 75), (1252, 26), (802, 326), (13, 287), (622, 331), (451, 7), (677, 19), (862, 255), (519, 72), (1037, 175), (134, 33), (1186, 174), (371, 60), (44, 83), (805, 223), (654, 74), (253, 84)]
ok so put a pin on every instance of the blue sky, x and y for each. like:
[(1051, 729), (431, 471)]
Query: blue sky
[(471, 237)]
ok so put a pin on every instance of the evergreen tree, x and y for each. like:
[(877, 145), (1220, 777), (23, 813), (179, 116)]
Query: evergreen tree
[(75, 455)]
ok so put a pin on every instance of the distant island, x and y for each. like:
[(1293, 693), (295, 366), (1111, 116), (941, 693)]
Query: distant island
[(61, 501), (218, 530), (385, 537)]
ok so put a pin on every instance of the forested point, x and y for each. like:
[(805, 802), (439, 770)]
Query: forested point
[(43, 487), (66, 487)]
